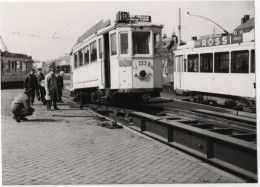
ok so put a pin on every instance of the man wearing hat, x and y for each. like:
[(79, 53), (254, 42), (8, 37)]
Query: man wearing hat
[(41, 89), (51, 88), (31, 82), (20, 106), (60, 86)]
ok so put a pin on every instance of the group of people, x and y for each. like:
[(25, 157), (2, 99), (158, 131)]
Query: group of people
[(47, 89)]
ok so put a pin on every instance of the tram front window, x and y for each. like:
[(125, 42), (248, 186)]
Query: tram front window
[(124, 43), (141, 42)]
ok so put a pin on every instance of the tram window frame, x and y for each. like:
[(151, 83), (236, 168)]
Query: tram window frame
[(206, 66), (222, 70), (100, 47), (156, 44), (93, 51), (124, 47), (80, 58), (75, 61), (252, 65), (139, 49), (193, 66), (238, 63), (113, 44), (86, 55)]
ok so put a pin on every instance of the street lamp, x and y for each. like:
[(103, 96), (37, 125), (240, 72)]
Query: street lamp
[(226, 32)]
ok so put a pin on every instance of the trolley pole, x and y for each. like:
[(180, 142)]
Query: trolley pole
[(179, 27)]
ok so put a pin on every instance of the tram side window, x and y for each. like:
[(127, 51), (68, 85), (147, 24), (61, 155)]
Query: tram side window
[(124, 43), (93, 51), (13, 65), (6, 65), (18, 66), (141, 42), (86, 54), (156, 43), (206, 62), (252, 70), (100, 47), (239, 61), (80, 58), (23, 66), (193, 63), (75, 60), (222, 62), (113, 44), (178, 63)]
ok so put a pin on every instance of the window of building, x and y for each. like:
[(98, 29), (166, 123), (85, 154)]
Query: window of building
[(252, 68), (18, 66), (23, 66), (206, 62), (100, 47), (193, 63), (113, 44), (86, 54), (80, 58), (239, 61), (124, 43), (13, 65), (5, 65), (156, 43), (222, 62), (93, 51), (141, 42), (75, 60)]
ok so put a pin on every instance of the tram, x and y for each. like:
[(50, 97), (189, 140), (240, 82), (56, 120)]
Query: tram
[(14, 68), (218, 70), (119, 61)]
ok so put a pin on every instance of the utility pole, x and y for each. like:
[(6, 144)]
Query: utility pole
[(179, 27)]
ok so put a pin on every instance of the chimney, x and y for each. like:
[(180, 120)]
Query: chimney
[(245, 19)]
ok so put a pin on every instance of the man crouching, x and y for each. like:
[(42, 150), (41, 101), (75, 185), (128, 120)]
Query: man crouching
[(21, 106)]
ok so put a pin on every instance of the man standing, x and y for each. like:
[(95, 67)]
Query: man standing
[(40, 78), (60, 86), (20, 106), (51, 89), (31, 82)]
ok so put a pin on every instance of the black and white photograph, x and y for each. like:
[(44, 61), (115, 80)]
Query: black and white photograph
[(128, 92)]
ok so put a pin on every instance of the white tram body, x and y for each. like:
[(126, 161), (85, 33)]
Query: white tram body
[(118, 58), (223, 66)]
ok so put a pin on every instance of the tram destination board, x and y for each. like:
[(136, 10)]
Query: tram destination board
[(122, 17)]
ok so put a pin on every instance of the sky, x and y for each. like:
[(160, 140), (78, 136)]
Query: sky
[(48, 30)]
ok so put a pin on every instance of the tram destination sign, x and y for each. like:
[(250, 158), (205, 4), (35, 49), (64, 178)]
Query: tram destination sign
[(220, 40), (122, 17)]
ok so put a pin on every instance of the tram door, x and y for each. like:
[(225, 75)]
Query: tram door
[(107, 61)]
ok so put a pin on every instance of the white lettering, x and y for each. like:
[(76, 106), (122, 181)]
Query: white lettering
[(224, 40), (210, 42), (217, 42), (203, 43)]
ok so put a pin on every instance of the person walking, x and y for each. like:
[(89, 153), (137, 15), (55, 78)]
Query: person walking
[(60, 86), (51, 89), (20, 106), (40, 77), (31, 82)]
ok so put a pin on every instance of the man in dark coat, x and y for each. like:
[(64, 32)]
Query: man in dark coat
[(40, 78), (51, 89), (31, 82), (60, 86), (20, 106)]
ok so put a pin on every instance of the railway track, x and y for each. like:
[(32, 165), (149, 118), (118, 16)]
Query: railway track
[(225, 141)]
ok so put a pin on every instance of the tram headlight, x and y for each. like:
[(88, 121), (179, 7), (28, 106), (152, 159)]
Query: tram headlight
[(142, 74)]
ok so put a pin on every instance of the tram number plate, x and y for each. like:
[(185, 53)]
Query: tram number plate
[(145, 63)]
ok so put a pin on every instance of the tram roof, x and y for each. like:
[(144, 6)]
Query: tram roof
[(15, 55)]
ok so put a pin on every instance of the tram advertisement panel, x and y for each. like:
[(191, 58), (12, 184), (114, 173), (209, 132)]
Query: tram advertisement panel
[(221, 40)]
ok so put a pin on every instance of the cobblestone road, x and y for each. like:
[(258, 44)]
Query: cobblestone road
[(68, 147)]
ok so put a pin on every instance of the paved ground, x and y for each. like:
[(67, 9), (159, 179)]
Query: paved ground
[(68, 147)]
